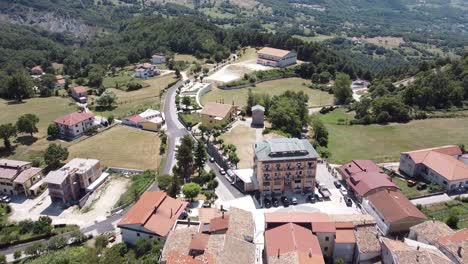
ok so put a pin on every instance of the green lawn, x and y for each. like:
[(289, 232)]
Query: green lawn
[(47, 109), (193, 118), (442, 211), (276, 87), (383, 143), (121, 146), (409, 192), (121, 79), (139, 184), (137, 101)]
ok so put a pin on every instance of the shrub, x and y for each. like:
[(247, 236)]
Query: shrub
[(132, 86)]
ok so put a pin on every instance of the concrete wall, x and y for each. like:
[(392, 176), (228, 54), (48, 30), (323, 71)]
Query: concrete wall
[(131, 236), (381, 223), (407, 165), (387, 257), (327, 246), (344, 251), (202, 92)]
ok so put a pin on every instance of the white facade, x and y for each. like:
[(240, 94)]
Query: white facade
[(75, 131), (131, 233), (382, 225), (275, 61)]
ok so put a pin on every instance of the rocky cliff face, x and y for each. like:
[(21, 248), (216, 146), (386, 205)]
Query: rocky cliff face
[(51, 21)]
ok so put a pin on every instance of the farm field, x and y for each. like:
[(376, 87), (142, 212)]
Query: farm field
[(442, 211), (383, 143), (276, 87), (139, 100), (121, 146), (244, 147), (47, 109)]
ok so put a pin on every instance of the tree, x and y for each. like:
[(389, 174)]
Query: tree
[(54, 155), (234, 158), (110, 119), (164, 181), (250, 102), (339, 261), (7, 131), (174, 189), (210, 196), (20, 86), (2, 259), (16, 255), (184, 157), (142, 247), (186, 101), (56, 242), (191, 190), (200, 156), (35, 249), (177, 73), (107, 99), (53, 131), (100, 243), (47, 85), (342, 89), (453, 220), (27, 124), (320, 133), (78, 237)]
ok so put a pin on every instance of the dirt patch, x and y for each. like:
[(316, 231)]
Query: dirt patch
[(236, 71)]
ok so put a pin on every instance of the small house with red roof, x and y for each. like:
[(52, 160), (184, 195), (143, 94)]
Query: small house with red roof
[(74, 125), (393, 212), (37, 70), (59, 82), (445, 166), (153, 216), (364, 177), (158, 58), (79, 93), (146, 70)]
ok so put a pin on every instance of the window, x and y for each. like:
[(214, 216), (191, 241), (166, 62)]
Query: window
[(138, 234), (326, 248), (445, 182), (327, 238), (297, 181)]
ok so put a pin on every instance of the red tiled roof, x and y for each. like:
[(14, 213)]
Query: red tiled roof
[(177, 258), (79, 89), (273, 52), (36, 68), (296, 217), (344, 225), (418, 156), (219, 223), (323, 227), (155, 211), (135, 118), (457, 237), (447, 166), (363, 176), (345, 236), (394, 206), (27, 174), (291, 237), (217, 110), (74, 118), (199, 242)]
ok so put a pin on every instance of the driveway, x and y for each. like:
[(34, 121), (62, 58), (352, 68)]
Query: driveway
[(432, 199)]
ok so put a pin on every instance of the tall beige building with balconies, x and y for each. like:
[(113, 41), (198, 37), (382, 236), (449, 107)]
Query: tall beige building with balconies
[(285, 165)]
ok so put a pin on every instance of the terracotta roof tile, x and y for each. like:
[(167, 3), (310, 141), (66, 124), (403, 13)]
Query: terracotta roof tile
[(74, 118), (219, 223), (431, 231), (291, 238), (27, 174), (367, 239), (419, 155), (217, 110), (394, 206), (135, 118), (345, 236), (156, 211), (79, 89), (273, 52), (323, 227), (447, 166), (296, 217), (199, 242)]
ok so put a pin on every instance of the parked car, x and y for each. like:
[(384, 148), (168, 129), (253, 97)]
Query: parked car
[(267, 202), (5, 199), (337, 184), (317, 183), (275, 202), (222, 171), (348, 201), (311, 198), (343, 191), (206, 204), (318, 197), (294, 201), (411, 183), (421, 186), (285, 201), (211, 159)]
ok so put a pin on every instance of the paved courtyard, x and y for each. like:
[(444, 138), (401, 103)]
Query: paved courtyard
[(103, 200)]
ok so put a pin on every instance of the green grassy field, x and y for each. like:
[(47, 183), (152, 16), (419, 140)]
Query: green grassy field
[(442, 211), (121, 146), (47, 109), (193, 118), (121, 79), (139, 100), (409, 192), (383, 143), (276, 87)]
